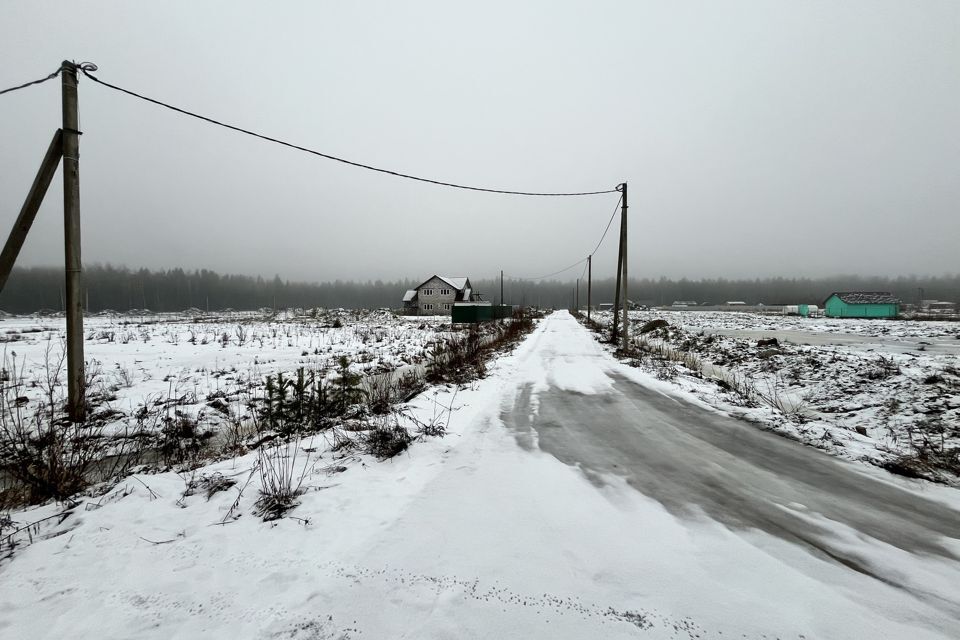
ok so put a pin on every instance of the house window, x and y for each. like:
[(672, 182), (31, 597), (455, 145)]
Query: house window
[(444, 292), (446, 307), (428, 292), (427, 307)]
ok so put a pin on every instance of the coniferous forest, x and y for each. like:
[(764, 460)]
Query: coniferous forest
[(121, 289)]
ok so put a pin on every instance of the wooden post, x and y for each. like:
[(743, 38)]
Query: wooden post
[(616, 295), (626, 298), (589, 284), (28, 212), (76, 404)]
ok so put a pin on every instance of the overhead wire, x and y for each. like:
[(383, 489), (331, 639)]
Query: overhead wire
[(31, 83), (86, 69), (328, 156), (575, 264), (607, 229), (612, 216)]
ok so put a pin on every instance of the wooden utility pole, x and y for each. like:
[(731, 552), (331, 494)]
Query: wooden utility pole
[(589, 284), (71, 236), (28, 212), (501, 286), (616, 295), (577, 297), (626, 298)]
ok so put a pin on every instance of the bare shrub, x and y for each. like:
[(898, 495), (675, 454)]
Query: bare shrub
[(380, 391), (207, 484), (929, 457), (281, 479), (242, 333), (182, 440), (409, 385), (124, 376), (773, 393), (386, 440), (40, 448)]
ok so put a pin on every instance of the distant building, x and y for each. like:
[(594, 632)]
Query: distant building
[(804, 310), (938, 306), (437, 296), (861, 304), (735, 303), (683, 304)]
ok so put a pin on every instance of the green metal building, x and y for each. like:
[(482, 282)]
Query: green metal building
[(473, 312), (861, 304)]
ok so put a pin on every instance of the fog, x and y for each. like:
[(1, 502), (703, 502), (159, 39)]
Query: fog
[(758, 138)]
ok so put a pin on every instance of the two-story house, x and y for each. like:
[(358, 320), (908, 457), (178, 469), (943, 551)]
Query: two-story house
[(437, 296)]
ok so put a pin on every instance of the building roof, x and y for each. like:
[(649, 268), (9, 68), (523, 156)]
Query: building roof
[(457, 283), (410, 295), (865, 297)]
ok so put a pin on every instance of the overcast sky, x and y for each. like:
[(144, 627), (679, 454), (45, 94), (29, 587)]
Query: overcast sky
[(758, 138)]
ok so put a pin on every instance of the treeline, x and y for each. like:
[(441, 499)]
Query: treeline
[(768, 291), (121, 289)]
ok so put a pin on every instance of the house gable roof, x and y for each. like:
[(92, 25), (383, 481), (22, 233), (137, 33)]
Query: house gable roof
[(457, 283), (864, 297)]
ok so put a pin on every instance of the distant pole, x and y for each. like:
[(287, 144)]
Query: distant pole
[(501, 286), (577, 297), (589, 284), (71, 234), (626, 299)]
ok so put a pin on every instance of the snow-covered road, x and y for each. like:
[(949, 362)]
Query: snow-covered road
[(574, 497)]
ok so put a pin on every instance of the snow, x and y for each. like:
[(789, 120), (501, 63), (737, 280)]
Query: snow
[(893, 379), (456, 282), (469, 536), (135, 360)]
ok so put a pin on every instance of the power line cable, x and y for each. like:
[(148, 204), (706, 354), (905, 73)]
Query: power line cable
[(575, 264), (609, 222), (32, 82), (398, 174), (612, 216)]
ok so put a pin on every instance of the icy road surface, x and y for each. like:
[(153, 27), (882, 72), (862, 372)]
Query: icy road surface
[(700, 464), (573, 497)]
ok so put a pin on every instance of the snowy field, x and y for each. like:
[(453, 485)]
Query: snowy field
[(872, 390), (467, 536), (189, 361)]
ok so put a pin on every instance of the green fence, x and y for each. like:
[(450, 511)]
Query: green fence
[(480, 313)]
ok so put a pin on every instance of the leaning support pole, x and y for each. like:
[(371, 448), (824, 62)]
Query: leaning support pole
[(30, 207), (626, 299), (76, 402)]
